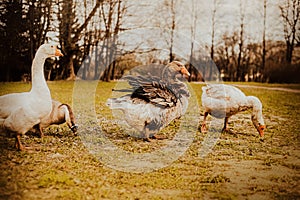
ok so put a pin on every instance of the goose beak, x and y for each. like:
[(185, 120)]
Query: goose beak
[(58, 53), (184, 71), (261, 129)]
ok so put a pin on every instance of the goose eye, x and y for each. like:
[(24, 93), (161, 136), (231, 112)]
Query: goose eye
[(52, 46)]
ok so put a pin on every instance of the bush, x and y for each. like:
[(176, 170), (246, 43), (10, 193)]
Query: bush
[(284, 73)]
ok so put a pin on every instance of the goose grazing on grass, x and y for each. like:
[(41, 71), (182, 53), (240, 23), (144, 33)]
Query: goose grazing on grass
[(60, 114), (222, 101), (19, 112), (155, 101)]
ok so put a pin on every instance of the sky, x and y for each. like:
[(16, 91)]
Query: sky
[(150, 13), (147, 15), (146, 20)]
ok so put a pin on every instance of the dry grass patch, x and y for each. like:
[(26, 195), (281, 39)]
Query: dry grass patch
[(240, 166)]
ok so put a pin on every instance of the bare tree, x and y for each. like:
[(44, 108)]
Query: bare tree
[(216, 3), (227, 58), (39, 17), (172, 27), (240, 72), (71, 32), (167, 23), (290, 12), (23, 28), (193, 37), (102, 44), (213, 26), (264, 51), (112, 18)]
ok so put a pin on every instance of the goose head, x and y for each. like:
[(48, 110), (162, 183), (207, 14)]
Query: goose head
[(48, 50), (257, 117), (173, 69)]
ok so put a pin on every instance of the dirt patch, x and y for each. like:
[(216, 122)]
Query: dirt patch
[(257, 179)]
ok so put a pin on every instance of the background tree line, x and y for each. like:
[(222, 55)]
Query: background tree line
[(90, 35)]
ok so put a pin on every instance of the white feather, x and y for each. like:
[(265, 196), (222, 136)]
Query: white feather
[(19, 112), (222, 101)]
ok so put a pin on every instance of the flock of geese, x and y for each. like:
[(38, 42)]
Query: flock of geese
[(153, 103)]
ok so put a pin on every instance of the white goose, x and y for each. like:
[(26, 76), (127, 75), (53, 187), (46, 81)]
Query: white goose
[(222, 101), (154, 101), (19, 112)]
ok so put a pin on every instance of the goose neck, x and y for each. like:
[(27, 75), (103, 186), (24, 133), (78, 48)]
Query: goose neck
[(37, 74), (256, 109), (254, 102), (168, 75)]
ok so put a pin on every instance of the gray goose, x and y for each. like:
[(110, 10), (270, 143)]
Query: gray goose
[(154, 101)]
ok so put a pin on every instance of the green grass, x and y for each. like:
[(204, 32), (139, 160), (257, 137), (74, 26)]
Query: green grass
[(240, 166)]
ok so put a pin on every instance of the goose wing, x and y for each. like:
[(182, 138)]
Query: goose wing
[(153, 90), (223, 92), (221, 99)]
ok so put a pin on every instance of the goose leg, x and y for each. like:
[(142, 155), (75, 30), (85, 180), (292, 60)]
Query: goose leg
[(225, 125), (146, 132), (203, 126), (41, 134), (18, 144)]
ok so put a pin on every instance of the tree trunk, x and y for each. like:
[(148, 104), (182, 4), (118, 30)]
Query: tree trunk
[(97, 64), (171, 56), (70, 65), (240, 70), (264, 52), (212, 48), (290, 13), (69, 39)]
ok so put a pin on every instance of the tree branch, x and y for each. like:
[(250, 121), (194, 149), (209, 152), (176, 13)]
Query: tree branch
[(87, 20)]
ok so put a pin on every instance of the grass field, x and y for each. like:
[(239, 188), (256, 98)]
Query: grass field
[(240, 166)]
